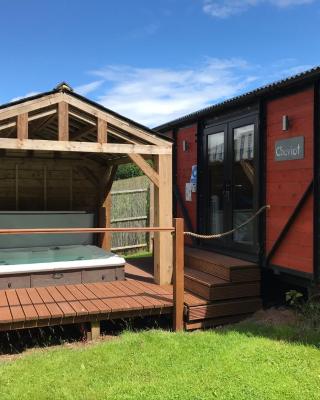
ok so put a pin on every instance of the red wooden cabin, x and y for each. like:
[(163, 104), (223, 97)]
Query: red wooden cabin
[(255, 149)]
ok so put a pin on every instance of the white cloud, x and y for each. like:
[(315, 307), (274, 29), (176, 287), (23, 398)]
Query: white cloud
[(88, 87), (30, 94), (153, 96), (227, 8), (156, 95)]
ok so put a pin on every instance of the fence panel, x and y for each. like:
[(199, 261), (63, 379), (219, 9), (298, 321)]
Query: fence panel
[(130, 207)]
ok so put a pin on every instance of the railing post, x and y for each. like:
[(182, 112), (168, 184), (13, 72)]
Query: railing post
[(178, 275)]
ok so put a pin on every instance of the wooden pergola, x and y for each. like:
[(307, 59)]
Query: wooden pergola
[(63, 123)]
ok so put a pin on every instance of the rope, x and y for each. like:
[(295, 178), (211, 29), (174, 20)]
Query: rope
[(220, 235)]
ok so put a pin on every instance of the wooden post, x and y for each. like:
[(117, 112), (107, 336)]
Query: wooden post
[(178, 275), (92, 330), (63, 118), (102, 131), (22, 126), (105, 222), (151, 215), (163, 217), (105, 210), (95, 330)]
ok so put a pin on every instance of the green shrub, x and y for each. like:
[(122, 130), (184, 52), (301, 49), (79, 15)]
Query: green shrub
[(309, 310), (126, 171)]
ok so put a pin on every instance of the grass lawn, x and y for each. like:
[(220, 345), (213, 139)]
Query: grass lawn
[(244, 362), (138, 255)]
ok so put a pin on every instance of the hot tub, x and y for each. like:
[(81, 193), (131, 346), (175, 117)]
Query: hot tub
[(58, 265)]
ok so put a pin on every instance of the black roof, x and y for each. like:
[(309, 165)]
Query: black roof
[(64, 87), (272, 88)]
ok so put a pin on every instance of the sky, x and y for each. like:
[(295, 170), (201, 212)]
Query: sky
[(154, 60)]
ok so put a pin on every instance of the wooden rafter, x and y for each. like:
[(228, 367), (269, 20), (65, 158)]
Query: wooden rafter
[(146, 168), (42, 115), (124, 137), (83, 132), (10, 132), (31, 105), (120, 136), (8, 125), (42, 124), (82, 118)]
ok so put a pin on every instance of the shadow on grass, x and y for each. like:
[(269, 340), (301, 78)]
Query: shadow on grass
[(17, 341), (289, 333)]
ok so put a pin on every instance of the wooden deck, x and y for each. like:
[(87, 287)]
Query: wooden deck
[(56, 305), (136, 296)]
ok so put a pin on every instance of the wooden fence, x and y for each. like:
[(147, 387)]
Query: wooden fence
[(132, 206)]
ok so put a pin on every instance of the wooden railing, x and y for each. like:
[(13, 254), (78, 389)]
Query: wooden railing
[(178, 274), (178, 255)]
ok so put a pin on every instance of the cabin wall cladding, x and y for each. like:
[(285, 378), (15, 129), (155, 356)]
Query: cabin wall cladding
[(184, 162), (53, 185), (288, 180)]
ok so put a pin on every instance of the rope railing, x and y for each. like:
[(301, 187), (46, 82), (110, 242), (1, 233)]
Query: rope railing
[(36, 231), (230, 232)]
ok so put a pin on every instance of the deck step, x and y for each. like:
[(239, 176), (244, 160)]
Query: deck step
[(214, 322), (211, 287), (224, 267), (223, 309)]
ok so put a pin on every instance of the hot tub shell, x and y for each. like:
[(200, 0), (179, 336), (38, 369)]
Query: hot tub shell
[(76, 264)]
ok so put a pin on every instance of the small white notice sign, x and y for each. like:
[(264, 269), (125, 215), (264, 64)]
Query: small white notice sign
[(188, 193)]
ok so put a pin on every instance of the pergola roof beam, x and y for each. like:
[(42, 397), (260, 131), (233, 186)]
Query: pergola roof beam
[(80, 110), (82, 147)]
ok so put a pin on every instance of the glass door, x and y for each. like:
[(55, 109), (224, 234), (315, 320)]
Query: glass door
[(243, 177), (216, 180), (229, 183)]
